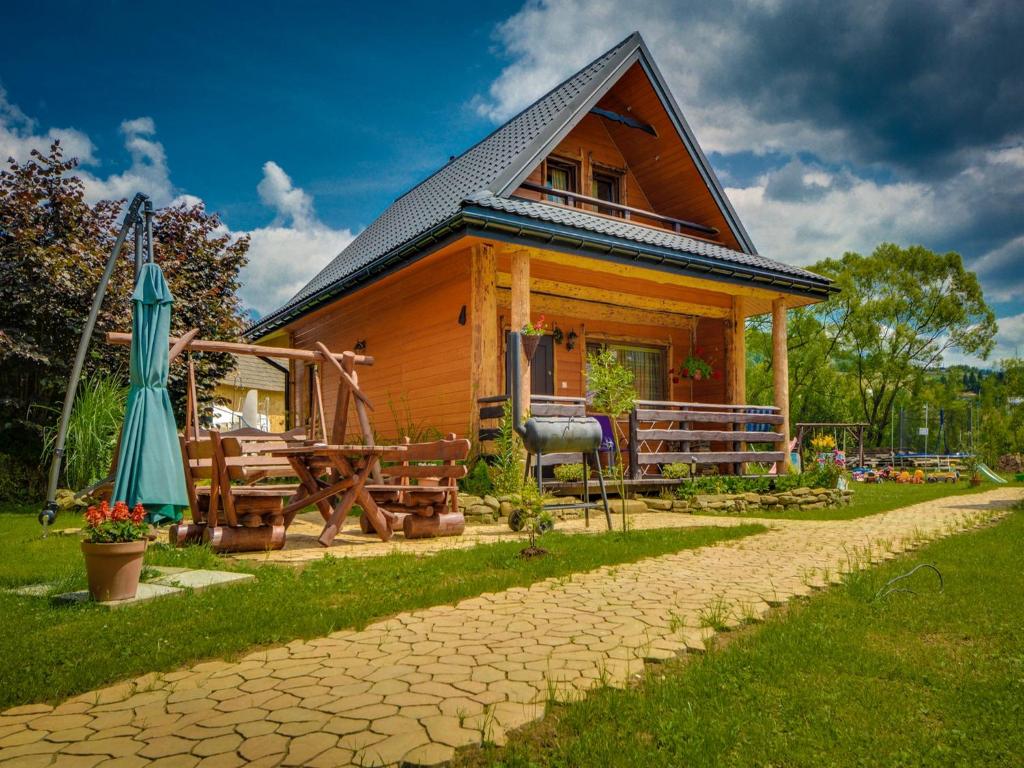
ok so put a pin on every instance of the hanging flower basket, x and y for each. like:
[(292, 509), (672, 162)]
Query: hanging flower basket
[(530, 344), (531, 335)]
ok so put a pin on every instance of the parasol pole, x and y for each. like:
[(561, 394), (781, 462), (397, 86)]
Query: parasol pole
[(49, 513)]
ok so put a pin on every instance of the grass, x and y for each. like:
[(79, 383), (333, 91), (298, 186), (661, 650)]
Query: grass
[(53, 652), (842, 679), (870, 499)]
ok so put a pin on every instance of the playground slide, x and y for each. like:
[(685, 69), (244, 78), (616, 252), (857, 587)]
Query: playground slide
[(990, 474)]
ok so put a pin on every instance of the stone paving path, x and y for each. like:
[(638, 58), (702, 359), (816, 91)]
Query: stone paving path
[(412, 689)]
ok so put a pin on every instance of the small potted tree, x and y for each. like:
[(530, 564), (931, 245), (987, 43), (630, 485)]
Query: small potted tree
[(115, 541), (611, 392)]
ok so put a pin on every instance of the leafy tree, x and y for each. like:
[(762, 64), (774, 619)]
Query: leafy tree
[(898, 312), (53, 247)]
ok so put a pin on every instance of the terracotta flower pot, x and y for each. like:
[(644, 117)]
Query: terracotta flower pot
[(114, 569), (530, 344)]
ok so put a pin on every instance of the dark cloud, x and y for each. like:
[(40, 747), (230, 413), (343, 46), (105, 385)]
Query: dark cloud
[(913, 83)]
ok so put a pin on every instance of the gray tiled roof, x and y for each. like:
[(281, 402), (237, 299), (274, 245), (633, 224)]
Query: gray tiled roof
[(439, 197), (492, 167), (579, 219)]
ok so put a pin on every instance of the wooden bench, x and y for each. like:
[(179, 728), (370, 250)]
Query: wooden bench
[(233, 511), (420, 495)]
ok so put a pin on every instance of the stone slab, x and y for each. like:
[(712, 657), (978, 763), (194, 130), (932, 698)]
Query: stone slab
[(201, 579), (147, 591)]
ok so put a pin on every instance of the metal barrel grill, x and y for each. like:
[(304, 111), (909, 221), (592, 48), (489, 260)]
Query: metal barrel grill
[(543, 435)]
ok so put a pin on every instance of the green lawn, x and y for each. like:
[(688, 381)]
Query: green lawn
[(842, 679), (53, 652), (870, 499)]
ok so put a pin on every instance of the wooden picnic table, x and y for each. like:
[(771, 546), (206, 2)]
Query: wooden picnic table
[(346, 469)]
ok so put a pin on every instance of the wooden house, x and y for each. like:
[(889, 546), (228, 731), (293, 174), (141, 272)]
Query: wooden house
[(594, 207)]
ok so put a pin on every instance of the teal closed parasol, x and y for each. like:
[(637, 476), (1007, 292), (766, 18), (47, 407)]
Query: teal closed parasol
[(149, 468)]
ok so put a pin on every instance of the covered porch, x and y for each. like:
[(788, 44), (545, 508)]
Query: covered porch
[(655, 319)]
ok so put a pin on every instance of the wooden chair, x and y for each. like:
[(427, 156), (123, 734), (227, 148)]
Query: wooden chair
[(235, 512), (416, 493)]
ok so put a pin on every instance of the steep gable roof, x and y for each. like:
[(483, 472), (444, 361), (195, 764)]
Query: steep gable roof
[(494, 168)]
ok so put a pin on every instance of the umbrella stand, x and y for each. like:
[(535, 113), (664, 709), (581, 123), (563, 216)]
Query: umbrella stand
[(131, 218)]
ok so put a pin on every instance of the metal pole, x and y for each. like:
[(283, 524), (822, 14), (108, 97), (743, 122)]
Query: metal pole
[(148, 212), (49, 513), (139, 245)]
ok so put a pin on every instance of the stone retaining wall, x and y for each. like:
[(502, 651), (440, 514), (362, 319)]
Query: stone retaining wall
[(491, 509)]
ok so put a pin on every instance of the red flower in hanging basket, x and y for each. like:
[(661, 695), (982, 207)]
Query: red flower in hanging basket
[(535, 328)]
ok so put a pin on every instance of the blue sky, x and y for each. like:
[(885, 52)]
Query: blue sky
[(833, 126)]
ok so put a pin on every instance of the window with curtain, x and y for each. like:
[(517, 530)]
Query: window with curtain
[(560, 175), (647, 364)]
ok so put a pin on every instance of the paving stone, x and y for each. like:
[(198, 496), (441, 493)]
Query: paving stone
[(481, 668)]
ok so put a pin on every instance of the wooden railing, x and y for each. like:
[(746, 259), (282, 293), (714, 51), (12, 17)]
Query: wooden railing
[(625, 211), (656, 433), (663, 432)]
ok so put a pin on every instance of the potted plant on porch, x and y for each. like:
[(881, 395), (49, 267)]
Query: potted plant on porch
[(115, 541)]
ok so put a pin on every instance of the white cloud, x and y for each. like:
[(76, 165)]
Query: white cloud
[(282, 259), (283, 256), (685, 44), (148, 172), (19, 136), (1009, 343)]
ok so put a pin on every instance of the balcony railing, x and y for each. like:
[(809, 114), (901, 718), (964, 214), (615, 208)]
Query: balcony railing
[(574, 199)]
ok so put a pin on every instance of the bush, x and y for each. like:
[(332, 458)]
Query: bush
[(478, 481), (19, 480), (506, 473), (92, 430), (569, 473), (675, 471), (714, 484)]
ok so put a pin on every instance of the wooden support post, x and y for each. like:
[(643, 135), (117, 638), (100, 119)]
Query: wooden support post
[(737, 373), (780, 374), (520, 311), (483, 329)]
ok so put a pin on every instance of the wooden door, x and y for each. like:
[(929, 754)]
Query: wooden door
[(542, 370)]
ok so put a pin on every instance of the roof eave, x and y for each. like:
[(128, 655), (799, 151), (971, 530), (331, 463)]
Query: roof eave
[(520, 229)]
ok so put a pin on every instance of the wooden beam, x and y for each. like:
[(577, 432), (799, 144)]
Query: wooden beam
[(658, 276), (483, 328), (585, 310), (780, 373), (520, 311), (557, 289), (738, 353), (236, 348)]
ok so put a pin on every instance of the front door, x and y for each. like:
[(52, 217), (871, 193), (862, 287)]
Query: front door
[(542, 369)]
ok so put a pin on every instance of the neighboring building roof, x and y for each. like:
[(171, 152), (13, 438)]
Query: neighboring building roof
[(487, 173), (254, 373)]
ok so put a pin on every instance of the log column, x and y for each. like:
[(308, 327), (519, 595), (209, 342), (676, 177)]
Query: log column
[(780, 374), (520, 312), (483, 328), (736, 338), (736, 375)]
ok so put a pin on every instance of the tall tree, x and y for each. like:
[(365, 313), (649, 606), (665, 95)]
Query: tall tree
[(53, 247), (898, 312)]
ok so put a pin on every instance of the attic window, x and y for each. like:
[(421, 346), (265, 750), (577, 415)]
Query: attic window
[(561, 175), (606, 187)]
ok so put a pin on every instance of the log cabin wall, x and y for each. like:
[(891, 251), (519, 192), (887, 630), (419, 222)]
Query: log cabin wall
[(410, 322)]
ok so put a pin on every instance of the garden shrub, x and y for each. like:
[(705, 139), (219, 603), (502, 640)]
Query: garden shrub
[(675, 471), (478, 481), (569, 473)]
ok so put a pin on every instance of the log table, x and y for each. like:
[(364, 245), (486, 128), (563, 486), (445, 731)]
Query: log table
[(347, 469)]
